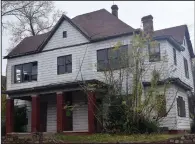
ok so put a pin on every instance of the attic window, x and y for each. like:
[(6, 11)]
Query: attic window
[(64, 34)]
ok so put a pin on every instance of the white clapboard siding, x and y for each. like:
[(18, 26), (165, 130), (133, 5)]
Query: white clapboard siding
[(73, 37), (80, 112)]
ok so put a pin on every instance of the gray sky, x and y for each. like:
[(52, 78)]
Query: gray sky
[(166, 14)]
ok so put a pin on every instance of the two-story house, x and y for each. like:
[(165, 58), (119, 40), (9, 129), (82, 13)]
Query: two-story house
[(45, 70)]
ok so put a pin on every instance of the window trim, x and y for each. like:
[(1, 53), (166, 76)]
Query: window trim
[(159, 54), (21, 73), (64, 64)]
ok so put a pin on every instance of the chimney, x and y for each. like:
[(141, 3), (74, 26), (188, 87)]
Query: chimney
[(148, 25), (114, 10)]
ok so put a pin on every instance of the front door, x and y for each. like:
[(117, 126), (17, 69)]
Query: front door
[(68, 120), (43, 116)]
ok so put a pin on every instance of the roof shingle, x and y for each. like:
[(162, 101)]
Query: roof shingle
[(97, 25)]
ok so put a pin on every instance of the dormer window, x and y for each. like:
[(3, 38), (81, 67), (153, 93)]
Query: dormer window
[(64, 34)]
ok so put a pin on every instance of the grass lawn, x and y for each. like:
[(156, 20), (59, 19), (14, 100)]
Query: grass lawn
[(114, 138)]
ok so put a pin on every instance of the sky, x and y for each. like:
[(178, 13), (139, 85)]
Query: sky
[(165, 14)]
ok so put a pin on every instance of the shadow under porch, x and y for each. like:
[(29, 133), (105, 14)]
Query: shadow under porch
[(47, 112)]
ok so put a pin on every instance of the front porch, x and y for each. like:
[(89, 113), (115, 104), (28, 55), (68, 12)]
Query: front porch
[(47, 111)]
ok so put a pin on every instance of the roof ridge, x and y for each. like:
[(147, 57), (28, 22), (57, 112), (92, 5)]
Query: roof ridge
[(89, 13)]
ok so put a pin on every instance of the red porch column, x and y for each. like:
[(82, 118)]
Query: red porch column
[(91, 111), (35, 117), (60, 110), (9, 115)]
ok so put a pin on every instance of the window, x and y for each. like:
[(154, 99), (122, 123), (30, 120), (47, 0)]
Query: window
[(111, 58), (64, 34), (154, 52), (184, 41), (181, 107), (25, 72), (186, 67), (175, 56), (64, 64)]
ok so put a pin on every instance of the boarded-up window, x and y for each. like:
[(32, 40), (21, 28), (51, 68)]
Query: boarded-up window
[(181, 107)]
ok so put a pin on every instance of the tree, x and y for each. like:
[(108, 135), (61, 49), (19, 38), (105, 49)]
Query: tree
[(31, 18), (141, 108)]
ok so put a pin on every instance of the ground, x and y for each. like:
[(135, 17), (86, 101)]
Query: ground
[(114, 138)]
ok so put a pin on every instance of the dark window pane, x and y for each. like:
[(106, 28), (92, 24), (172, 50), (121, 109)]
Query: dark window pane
[(61, 69), (112, 53), (61, 60), (64, 34), (27, 69), (186, 68), (175, 57), (69, 68), (102, 54), (34, 71), (18, 73), (69, 59), (34, 77), (102, 65), (154, 52)]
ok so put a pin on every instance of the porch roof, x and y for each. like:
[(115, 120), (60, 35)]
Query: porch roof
[(175, 81), (58, 86)]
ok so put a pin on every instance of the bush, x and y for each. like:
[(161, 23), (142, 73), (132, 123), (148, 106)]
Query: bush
[(118, 122), (3, 130), (193, 126)]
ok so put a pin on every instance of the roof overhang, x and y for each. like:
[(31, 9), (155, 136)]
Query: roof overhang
[(171, 40), (175, 81), (59, 86)]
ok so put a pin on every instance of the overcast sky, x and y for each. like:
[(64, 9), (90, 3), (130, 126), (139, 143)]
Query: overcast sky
[(166, 14)]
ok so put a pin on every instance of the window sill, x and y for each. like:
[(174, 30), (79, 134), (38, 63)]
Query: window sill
[(26, 82)]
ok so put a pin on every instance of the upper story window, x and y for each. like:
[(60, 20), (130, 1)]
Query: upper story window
[(25, 72), (154, 52), (174, 56), (186, 67), (181, 107), (111, 58), (64, 64), (64, 34)]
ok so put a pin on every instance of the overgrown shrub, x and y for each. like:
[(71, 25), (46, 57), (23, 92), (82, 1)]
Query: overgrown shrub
[(118, 122), (2, 126), (193, 126)]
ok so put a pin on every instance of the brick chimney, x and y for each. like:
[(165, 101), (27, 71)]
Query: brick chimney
[(114, 10), (148, 25)]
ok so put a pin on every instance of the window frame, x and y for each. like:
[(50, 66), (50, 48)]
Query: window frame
[(108, 60), (64, 64), (186, 68), (64, 34), (22, 72), (159, 54), (175, 56), (181, 108)]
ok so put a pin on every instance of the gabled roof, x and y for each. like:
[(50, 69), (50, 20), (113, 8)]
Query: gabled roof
[(96, 26)]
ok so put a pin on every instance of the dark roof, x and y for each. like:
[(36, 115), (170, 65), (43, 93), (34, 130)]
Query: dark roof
[(97, 25), (101, 24)]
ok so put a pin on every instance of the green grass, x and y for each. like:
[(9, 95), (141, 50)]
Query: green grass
[(114, 138)]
